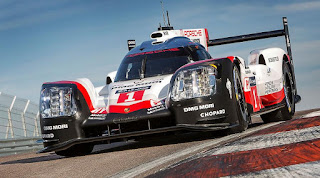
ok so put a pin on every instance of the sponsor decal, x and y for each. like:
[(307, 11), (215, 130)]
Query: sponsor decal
[(56, 127), (213, 113), (252, 81), (270, 87), (122, 86), (228, 86), (155, 109), (126, 119), (248, 71), (196, 40), (273, 59), (197, 108), (133, 89), (148, 83), (50, 135), (97, 117), (136, 84)]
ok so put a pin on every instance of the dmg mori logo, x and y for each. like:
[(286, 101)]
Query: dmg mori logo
[(56, 127)]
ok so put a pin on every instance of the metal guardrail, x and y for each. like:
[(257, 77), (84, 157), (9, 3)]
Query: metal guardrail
[(19, 125), (23, 145)]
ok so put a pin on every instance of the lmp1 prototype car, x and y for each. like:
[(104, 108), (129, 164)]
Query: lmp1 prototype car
[(170, 83)]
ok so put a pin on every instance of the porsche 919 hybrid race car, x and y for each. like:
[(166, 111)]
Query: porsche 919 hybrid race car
[(170, 83)]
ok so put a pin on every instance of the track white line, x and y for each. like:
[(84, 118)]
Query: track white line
[(313, 114), (194, 149)]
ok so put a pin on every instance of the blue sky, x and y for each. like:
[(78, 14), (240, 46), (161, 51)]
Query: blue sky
[(43, 41)]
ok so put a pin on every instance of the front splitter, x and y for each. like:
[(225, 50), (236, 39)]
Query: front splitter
[(72, 142)]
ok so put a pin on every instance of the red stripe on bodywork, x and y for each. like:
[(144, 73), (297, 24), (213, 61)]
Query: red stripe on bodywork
[(274, 98), (130, 108), (247, 161), (80, 88)]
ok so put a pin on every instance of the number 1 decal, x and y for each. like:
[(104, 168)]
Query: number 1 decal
[(130, 96)]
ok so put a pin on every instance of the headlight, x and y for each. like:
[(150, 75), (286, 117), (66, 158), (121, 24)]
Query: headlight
[(193, 83), (57, 101)]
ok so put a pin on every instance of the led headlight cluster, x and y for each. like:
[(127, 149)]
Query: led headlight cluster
[(193, 83), (57, 101)]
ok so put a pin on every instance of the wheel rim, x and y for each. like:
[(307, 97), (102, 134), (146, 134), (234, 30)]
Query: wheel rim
[(287, 92)]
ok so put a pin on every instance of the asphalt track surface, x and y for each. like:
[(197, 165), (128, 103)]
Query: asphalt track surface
[(280, 149)]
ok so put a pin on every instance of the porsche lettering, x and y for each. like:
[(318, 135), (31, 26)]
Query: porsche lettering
[(189, 33)]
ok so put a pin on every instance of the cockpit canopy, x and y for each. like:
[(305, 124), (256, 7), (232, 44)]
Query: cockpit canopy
[(159, 62)]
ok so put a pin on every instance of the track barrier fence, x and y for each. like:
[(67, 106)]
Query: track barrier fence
[(19, 125)]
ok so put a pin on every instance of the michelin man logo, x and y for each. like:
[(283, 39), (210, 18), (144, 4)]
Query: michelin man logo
[(228, 85)]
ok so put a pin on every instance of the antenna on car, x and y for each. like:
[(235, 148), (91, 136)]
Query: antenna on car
[(168, 18), (166, 22), (164, 18)]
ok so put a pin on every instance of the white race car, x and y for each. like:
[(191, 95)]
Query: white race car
[(170, 83)]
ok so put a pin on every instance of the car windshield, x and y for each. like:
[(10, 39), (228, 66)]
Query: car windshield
[(153, 63)]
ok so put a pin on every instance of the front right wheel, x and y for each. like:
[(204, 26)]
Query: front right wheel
[(287, 112)]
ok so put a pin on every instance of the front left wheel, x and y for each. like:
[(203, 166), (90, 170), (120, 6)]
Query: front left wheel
[(242, 114)]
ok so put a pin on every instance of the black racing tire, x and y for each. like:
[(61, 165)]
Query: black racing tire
[(243, 116), (287, 112), (76, 150)]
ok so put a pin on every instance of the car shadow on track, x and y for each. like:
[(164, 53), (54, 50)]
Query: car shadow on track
[(50, 157)]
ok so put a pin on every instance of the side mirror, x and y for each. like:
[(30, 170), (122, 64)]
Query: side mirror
[(111, 77), (108, 80), (131, 44)]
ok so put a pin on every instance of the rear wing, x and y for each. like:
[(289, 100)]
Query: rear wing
[(262, 35), (256, 36)]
